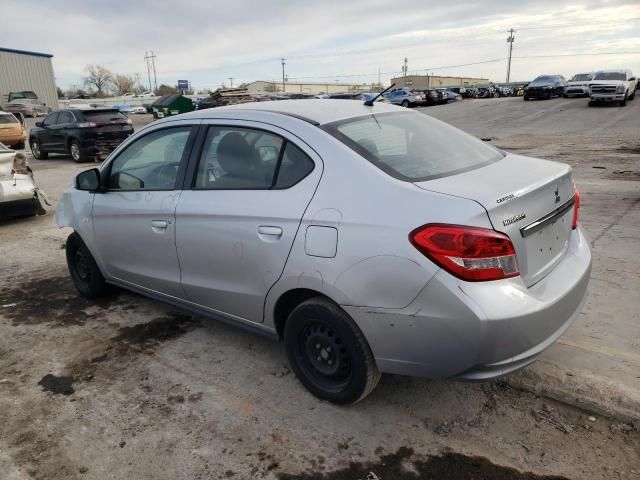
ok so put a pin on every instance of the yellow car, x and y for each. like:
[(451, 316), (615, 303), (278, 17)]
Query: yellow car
[(12, 131)]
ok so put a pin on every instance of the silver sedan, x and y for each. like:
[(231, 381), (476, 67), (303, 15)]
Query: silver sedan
[(368, 238)]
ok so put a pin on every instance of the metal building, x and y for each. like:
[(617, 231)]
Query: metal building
[(435, 81), (21, 70)]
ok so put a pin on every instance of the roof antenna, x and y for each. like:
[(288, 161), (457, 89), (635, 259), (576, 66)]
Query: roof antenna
[(369, 103)]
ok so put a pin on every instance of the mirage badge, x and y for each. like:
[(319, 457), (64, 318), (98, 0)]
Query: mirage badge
[(511, 220)]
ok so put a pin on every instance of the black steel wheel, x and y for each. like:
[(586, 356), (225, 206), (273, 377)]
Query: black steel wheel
[(328, 352), (85, 274)]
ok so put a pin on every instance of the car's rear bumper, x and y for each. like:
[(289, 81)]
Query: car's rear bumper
[(478, 330), (13, 139)]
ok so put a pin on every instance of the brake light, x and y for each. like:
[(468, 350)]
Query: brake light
[(576, 207), (87, 124), (471, 253)]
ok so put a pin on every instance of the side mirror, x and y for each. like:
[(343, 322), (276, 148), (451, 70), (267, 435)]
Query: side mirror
[(38, 124), (632, 79), (89, 180)]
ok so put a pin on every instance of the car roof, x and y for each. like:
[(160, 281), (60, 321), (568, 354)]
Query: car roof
[(317, 111)]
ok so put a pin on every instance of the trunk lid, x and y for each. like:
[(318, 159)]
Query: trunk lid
[(519, 192)]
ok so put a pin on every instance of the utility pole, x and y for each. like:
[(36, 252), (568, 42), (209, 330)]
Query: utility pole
[(405, 69), (510, 41), (379, 84), (146, 59), (231, 82), (283, 78)]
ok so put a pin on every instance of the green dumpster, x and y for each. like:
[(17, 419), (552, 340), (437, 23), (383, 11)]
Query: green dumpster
[(169, 105)]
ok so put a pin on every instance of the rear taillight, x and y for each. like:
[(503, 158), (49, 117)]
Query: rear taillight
[(576, 207), (470, 253), (87, 124)]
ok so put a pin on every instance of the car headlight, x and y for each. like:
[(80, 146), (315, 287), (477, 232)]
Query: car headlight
[(620, 89)]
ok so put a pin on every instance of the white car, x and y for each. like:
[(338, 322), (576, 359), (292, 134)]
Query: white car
[(612, 86), (19, 194), (129, 95), (578, 85), (147, 94)]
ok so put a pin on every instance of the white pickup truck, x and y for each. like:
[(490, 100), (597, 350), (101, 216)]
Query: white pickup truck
[(612, 86)]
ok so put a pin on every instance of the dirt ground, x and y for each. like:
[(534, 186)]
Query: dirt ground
[(128, 388)]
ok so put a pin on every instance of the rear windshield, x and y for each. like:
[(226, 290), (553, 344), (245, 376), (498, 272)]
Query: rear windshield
[(8, 119), (412, 146), (610, 76), (103, 115)]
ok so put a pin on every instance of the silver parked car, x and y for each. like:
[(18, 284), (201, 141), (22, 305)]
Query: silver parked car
[(369, 238)]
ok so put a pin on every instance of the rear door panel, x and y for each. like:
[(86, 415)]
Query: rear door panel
[(229, 250)]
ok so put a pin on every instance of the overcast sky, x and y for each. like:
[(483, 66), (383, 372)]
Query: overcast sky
[(348, 41)]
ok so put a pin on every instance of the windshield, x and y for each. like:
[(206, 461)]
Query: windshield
[(4, 119), (610, 76), (581, 77), (413, 146), (540, 80)]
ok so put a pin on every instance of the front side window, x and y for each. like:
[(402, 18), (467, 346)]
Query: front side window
[(65, 117), (236, 158), (412, 146), (151, 162), (50, 120)]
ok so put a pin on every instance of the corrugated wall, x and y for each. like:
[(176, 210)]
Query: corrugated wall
[(28, 72)]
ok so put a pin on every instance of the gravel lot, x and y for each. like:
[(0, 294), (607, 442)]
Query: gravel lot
[(130, 388)]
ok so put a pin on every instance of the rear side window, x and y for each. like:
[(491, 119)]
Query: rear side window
[(102, 116), (412, 146), (237, 158), (65, 117)]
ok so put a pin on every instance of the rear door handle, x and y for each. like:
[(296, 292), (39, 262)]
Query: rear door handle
[(159, 226), (270, 230)]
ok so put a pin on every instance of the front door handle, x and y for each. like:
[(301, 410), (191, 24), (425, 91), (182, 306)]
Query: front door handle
[(270, 231), (159, 226)]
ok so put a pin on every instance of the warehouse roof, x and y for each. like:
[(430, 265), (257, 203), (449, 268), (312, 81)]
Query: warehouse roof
[(26, 52)]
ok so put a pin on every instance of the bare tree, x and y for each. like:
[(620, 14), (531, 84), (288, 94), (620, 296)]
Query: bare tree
[(123, 83), (99, 79)]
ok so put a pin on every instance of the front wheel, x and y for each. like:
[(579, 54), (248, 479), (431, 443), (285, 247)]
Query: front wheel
[(623, 103), (328, 352), (405, 103), (83, 269), (525, 98)]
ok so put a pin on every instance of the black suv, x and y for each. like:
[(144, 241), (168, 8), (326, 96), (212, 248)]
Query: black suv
[(82, 134), (545, 86)]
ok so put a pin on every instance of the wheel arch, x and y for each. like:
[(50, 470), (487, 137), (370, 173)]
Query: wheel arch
[(288, 301)]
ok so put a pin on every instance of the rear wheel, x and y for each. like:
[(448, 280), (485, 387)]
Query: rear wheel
[(34, 113), (405, 103), (78, 154), (590, 103), (526, 99), (85, 274), (328, 352), (19, 146), (37, 151)]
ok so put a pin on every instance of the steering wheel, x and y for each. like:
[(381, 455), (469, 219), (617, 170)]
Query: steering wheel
[(165, 176)]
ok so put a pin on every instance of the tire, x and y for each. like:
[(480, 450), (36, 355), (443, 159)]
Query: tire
[(525, 98), (590, 103), (78, 154), (344, 371), (37, 152), (405, 103), (564, 95), (632, 96), (34, 113), (84, 272), (19, 146), (623, 103)]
